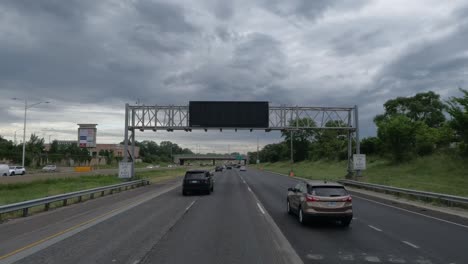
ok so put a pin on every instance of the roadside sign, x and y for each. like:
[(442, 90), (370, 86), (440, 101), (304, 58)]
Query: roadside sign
[(258, 161), (239, 157), (359, 161), (125, 169)]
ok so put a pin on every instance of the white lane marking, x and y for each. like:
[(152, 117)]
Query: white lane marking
[(347, 257), (261, 209), (372, 259), (136, 262), (314, 256), (375, 228), (355, 218), (244, 181), (188, 207), (250, 190), (410, 244), (431, 217)]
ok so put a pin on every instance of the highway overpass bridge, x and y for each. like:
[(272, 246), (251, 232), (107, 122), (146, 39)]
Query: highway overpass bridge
[(181, 159)]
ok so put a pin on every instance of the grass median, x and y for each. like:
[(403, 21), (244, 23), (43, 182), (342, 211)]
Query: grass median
[(437, 173), (18, 192)]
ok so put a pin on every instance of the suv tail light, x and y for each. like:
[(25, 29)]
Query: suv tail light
[(347, 199), (311, 198)]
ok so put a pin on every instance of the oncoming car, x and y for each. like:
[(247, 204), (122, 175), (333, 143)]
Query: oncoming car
[(197, 181), (311, 200)]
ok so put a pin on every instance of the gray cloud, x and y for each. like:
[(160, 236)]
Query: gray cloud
[(98, 55), (310, 9)]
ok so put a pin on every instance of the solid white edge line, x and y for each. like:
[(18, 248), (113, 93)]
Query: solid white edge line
[(409, 211), (250, 190), (188, 207), (431, 217), (375, 228), (261, 209), (410, 244)]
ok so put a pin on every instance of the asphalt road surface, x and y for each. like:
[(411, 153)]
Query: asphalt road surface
[(242, 221)]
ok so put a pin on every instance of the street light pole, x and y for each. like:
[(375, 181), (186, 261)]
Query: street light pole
[(26, 107), (24, 131)]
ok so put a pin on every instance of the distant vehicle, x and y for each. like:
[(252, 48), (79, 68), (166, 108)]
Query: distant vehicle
[(228, 167), (50, 168), (17, 170), (197, 181), (243, 168), (156, 166), (149, 167), (4, 170), (320, 200), (169, 166), (219, 168), (238, 166)]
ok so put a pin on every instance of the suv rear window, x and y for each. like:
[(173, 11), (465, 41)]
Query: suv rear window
[(328, 191), (195, 175)]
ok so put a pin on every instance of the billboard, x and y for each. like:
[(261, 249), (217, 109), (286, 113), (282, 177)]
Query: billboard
[(228, 114), (87, 137)]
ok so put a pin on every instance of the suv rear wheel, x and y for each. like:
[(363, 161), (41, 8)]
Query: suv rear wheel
[(288, 207), (301, 217)]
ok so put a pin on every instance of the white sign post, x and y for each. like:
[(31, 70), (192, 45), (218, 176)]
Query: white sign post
[(359, 161), (125, 170)]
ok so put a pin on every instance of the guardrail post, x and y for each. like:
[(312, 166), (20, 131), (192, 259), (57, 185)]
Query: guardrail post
[(80, 198), (91, 196), (47, 206), (102, 193), (25, 212), (65, 202)]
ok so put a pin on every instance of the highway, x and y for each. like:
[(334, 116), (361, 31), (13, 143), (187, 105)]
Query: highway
[(243, 221)]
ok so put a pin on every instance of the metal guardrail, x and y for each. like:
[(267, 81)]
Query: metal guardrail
[(24, 206), (445, 198)]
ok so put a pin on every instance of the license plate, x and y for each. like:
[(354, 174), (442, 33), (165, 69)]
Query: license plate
[(331, 203), (194, 182)]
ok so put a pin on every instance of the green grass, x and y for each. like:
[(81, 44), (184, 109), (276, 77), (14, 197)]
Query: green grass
[(436, 173), (18, 192)]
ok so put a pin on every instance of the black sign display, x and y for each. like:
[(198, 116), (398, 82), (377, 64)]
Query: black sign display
[(228, 114)]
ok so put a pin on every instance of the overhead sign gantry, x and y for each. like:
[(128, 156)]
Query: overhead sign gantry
[(250, 115)]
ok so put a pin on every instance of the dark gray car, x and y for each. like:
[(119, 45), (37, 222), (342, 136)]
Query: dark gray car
[(198, 181)]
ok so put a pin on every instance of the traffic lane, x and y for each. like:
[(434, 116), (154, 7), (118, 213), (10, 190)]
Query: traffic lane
[(442, 240), (124, 238), (19, 232), (224, 227), (328, 242)]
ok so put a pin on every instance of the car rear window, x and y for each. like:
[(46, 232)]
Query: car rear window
[(195, 175), (328, 191)]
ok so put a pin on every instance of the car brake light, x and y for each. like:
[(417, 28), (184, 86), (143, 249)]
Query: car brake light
[(311, 198), (347, 199)]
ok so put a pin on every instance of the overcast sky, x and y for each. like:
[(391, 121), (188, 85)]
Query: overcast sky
[(89, 58)]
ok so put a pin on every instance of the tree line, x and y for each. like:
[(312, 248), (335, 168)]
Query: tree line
[(409, 127), (36, 155)]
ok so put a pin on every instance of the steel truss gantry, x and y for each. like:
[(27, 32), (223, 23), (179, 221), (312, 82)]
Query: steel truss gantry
[(284, 118)]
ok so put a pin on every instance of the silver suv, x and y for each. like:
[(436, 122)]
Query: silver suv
[(320, 200), (17, 170)]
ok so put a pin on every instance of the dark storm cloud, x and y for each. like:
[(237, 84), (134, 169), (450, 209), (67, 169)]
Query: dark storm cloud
[(431, 65), (256, 65), (65, 53), (166, 17), (105, 53), (309, 9)]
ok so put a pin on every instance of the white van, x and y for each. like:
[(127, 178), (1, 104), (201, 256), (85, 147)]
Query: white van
[(4, 170)]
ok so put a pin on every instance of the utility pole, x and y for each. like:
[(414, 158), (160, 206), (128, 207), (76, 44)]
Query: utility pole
[(291, 173), (258, 159)]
